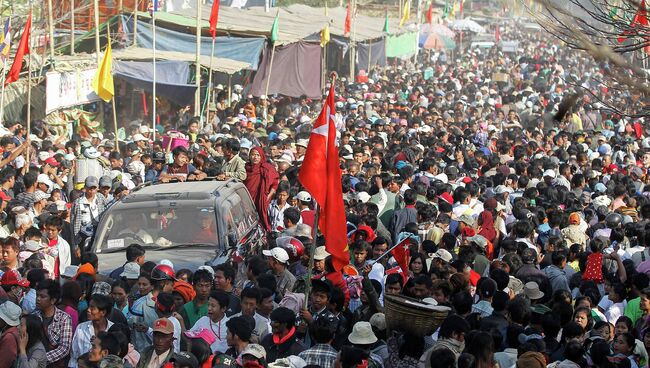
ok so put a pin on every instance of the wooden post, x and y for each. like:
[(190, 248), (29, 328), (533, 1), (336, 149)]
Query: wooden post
[(97, 44), (268, 78), (135, 23), (29, 89), (117, 142), (153, 88), (197, 95)]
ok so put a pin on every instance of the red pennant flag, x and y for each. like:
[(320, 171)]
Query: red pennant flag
[(430, 13), (461, 8), (23, 49), (320, 174), (214, 16), (497, 35), (348, 20), (640, 19), (402, 255)]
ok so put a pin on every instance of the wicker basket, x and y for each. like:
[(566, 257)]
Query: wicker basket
[(410, 315)]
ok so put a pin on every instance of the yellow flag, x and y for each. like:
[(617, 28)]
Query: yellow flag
[(325, 35), (406, 12), (103, 81)]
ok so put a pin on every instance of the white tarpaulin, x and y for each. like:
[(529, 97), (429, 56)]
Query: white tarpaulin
[(65, 89)]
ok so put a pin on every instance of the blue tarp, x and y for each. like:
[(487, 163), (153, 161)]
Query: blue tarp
[(247, 50), (171, 78)]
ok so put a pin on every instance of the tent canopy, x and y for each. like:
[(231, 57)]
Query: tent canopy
[(226, 66)]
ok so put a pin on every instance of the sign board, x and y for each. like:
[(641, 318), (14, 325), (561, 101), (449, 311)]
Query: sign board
[(500, 77), (66, 89), (509, 46)]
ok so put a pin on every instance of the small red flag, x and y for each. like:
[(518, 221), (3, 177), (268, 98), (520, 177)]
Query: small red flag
[(430, 13), (640, 18), (320, 174), (214, 16), (348, 20), (402, 255), (23, 49), (497, 34)]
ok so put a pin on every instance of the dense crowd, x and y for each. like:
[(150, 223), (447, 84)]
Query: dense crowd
[(526, 221)]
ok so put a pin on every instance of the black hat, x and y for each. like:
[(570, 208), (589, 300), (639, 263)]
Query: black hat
[(184, 359), (158, 156)]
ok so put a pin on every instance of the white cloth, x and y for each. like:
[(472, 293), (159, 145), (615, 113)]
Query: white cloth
[(81, 341), (218, 329)]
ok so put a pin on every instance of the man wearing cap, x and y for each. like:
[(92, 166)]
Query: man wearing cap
[(9, 321), (87, 208), (278, 259), (156, 355), (304, 205)]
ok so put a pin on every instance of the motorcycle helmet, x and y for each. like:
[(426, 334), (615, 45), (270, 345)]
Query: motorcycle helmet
[(163, 272)]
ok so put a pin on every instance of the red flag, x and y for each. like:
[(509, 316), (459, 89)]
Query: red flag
[(497, 35), (348, 20), (214, 16), (640, 18), (23, 49), (402, 255), (321, 176), (430, 13), (461, 8)]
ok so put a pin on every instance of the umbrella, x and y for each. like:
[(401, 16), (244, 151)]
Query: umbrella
[(433, 41), (442, 30), (466, 25)]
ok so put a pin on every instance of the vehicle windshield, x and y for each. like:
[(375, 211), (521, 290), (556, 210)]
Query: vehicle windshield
[(157, 227)]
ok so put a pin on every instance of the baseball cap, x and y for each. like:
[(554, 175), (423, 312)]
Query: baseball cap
[(43, 178), (139, 137), (443, 254), (486, 287), (550, 173), (52, 162), (131, 271), (278, 253), (303, 196), (184, 359), (105, 181), (91, 181), (12, 277), (255, 350), (163, 325)]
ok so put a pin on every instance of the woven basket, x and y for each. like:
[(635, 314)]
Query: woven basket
[(410, 315)]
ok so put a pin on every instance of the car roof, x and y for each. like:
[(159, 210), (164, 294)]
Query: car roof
[(197, 190)]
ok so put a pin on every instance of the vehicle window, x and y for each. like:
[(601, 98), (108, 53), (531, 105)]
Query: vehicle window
[(158, 227), (250, 213)]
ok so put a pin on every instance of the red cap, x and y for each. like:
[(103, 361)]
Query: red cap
[(446, 197), (12, 277), (467, 180), (52, 162)]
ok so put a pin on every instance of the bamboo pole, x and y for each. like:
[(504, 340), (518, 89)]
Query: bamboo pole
[(229, 89), (209, 91), (97, 45), (197, 95), (72, 26), (117, 142), (4, 76), (50, 18)]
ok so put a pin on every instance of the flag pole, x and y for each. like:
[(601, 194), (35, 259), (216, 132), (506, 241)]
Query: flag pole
[(50, 27), (29, 87), (197, 95), (268, 79), (209, 92), (117, 143), (4, 78), (72, 26), (135, 23), (153, 90)]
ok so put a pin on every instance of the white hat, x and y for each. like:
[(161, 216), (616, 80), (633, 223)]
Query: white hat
[(43, 178), (98, 135), (278, 253), (362, 334), (443, 254), (43, 155), (166, 262), (139, 137), (550, 173), (144, 129), (302, 142), (91, 153), (363, 197), (10, 313), (303, 196), (238, 87), (207, 268), (320, 253), (500, 189), (305, 119), (131, 271), (442, 177), (219, 87), (70, 271), (531, 290)]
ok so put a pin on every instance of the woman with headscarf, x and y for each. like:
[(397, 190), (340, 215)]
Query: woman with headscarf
[(262, 181), (488, 231)]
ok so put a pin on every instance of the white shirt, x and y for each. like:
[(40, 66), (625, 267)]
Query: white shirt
[(64, 254), (81, 340), (218, 329)]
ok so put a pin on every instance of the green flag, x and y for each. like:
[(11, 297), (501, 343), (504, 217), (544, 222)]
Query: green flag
[(274, 27), (445, 11), (386, 23)]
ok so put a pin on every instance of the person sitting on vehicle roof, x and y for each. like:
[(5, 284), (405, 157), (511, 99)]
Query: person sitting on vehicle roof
[(181, 169)]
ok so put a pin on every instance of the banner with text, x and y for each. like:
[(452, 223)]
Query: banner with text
[(66, 89)]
